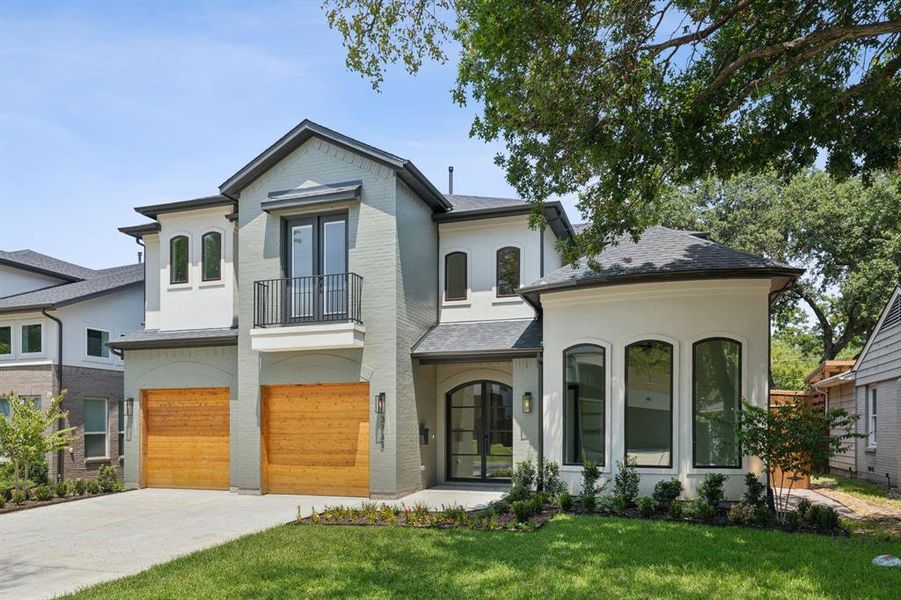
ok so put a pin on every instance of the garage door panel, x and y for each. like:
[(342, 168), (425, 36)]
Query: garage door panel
[(316, 439), (186, 438)]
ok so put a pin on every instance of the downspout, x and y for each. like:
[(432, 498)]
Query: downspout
[(59, 387), (144, 286), (540, 358)]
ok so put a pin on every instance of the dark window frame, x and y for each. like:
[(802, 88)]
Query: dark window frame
[(87, 337), (203, 256), (317, 222), (497, 271), (672, 391), (465, 296), (448, 455), (566, 386), (22, 350), (694, 422), (172, 241), (10, 328)]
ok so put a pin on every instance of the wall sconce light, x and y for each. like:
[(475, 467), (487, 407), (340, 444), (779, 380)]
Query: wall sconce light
[(380, 403), (527, 402), (129, 407)]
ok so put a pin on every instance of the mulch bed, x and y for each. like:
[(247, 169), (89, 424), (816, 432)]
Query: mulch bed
[(28, 504)]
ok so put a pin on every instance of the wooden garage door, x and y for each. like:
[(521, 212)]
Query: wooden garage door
[(316, 439), (185, 434)]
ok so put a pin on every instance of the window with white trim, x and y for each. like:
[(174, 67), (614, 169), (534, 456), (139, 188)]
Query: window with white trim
[(32, 338), (96, 343), (455, 285), (178, 259), (95, 420), (871, 417), (211, 256), (6, 340)]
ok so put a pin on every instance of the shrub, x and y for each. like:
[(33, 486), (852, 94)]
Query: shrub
[(2, 501), (762, 515), (803, 506), (523, 478), (43, 493), (107, 479), (700, 510), (78, 486), (525, 509), (92, 487), (741, 513), (666, 491), (625, 483), (501, 507), (755, 490), (553, 484), (710, 490), (565, 501), (793, 520), (18, 497), (675, 510), (646, 506), (591, 474), (619, 504), (6, 492), (61, 489), (826, 518), (606, 505), (589, 503), (456, 514)]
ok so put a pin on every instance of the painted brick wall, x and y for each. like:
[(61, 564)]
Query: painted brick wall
[(874, 463), (37, 380)]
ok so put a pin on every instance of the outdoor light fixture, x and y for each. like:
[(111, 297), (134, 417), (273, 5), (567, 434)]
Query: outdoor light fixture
[(380, 403), (129, 407), (527, 402)]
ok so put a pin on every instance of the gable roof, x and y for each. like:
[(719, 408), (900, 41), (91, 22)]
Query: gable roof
[(660, 253), (29, 260), (307, 129), (97, 283), (468, 208), (890, 317)]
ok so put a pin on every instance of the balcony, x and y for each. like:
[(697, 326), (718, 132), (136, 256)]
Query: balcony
[(308, 313)]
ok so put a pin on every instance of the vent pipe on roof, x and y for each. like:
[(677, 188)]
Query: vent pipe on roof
[(450, 180), (139, 257)]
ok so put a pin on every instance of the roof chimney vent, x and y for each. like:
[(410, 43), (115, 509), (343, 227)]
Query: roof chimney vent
[(450, 180)]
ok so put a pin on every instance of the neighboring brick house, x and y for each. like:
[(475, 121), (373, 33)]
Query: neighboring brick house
[(55, 321), (331, 323)]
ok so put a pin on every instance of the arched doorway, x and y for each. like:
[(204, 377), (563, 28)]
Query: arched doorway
[(480, 431)]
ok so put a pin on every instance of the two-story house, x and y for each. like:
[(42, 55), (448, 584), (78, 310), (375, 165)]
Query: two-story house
[(331, 323), (56, 319)]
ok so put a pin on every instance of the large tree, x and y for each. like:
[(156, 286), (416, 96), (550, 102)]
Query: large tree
[(614, 99), (846, 234)]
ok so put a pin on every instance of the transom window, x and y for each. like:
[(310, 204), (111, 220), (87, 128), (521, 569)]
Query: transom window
[(96, 343), (178, 259), (455, 287), (95, 419), (585, 391), (507, 261), (6, 340), (211, 251), (716, 402), (871, 417), (32, 338), (649, 403)]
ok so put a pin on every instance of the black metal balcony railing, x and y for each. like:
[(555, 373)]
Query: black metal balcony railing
[(315, 299)]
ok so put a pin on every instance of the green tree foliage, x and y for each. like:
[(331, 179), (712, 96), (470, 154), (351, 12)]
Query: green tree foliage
[(614, 100), (789, 365), (847, 234)]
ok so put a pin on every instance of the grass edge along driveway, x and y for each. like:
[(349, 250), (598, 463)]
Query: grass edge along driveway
[(571, 556)]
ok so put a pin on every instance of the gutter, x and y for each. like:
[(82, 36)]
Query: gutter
[(59, 387)]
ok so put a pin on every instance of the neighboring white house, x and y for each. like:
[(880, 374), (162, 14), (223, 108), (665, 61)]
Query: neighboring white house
[(331, 323)]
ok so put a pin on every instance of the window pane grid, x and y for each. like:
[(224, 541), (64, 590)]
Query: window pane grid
[(95, 424)]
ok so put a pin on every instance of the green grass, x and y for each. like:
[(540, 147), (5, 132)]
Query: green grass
[(587, 557), (859, 488)]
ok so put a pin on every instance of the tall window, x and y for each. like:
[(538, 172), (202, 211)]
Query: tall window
[(178, 259), (121, 427), (5, 409), (649, 403), (507, 271), (95, 428), (96, 343), (6, 340), (455, 276), (32, 338), (716, 399), (585, 389), (871, 417), (211, 250)]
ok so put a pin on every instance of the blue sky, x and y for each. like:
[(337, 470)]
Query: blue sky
[(109, 105)]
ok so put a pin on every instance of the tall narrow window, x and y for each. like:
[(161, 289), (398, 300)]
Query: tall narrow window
[(507, 271), (455, 276), (211, 250), (871, 418), (32, 338), (95, 428), (716, 393), (178, 259), (649, 403), (6, 340), (96, 343), (585, 389)]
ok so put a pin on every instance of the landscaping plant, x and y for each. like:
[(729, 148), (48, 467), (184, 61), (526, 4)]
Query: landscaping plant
[(61, 489), (107, 479), (591, 474), (666, 491), (625, 483), (523, 480), (553, 484), (565, 501), (78, 487), (755, 490), (646, 506), (92, 487), (43, 493), (710, 490)]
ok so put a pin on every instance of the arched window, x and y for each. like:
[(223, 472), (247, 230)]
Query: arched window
[(178, 259), (211, 250), (455, 276), (716, 402), (585, 391), (507, 261), (649, 403)]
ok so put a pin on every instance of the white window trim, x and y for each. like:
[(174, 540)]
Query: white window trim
[(12, 341), (872, 417), (522, 252), (85, 432), (43, 350), (90, 357), (121, 409)]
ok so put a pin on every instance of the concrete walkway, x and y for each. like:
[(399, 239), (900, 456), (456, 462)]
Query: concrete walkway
[(53, 550)]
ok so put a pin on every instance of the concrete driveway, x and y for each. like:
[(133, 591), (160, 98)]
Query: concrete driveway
[(48, 551)]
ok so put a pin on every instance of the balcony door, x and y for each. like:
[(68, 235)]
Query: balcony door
[(317, 267), (480, 431)]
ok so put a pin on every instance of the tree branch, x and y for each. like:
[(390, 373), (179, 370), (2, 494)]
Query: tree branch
[(828, 331), (698, 35), (888, 70)]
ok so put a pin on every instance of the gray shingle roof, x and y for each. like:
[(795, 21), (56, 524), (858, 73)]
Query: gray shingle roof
[(463, 203), (98, 282), (154, 338), (480, 337), (661, 252), (41, 263)]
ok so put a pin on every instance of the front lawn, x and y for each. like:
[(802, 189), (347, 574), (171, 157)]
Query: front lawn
[(573, 556), (859, 488)]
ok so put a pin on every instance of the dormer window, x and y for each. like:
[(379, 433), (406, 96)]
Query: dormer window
[(178, 259), (455, 276), (211, 250), (507, 267)]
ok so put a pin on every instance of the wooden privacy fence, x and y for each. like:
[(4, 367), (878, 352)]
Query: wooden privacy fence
[(778, 398)]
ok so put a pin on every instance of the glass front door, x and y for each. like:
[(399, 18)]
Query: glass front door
[(480, 431)]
